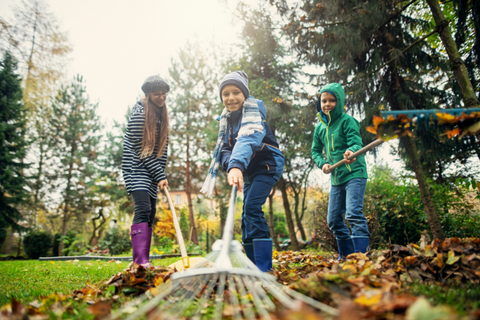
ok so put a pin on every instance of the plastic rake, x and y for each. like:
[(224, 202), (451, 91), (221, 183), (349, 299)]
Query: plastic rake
[(422, 117), (228, 285)]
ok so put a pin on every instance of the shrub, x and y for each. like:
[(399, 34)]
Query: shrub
[(37, 243), (398, 206), (116, 240), (67, 242)]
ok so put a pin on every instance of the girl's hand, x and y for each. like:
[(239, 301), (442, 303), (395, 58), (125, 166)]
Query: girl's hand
[(326, 168), (235, 176), (347, 154), (163, 184)]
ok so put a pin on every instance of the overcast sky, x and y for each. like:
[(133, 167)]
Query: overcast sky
[(117, 44)]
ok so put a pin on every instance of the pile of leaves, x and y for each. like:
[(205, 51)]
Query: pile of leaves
[(373, 285)]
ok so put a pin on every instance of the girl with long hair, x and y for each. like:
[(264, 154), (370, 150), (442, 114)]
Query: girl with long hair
[(144, 159)]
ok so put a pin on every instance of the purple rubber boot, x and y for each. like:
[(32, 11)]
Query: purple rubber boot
[(141, 244)]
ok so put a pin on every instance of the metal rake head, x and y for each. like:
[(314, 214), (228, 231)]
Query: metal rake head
[(214, 292)]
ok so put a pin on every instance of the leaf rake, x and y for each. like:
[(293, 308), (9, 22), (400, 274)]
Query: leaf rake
[(229, 285)]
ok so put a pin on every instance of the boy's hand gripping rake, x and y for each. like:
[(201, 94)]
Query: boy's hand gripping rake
[(233, 287)]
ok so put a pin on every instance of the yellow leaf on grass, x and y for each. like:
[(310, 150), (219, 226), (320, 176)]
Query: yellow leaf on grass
[(368, 301)]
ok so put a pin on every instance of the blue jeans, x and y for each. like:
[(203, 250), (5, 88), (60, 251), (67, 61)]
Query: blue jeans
[(348, 198), (255, 194)]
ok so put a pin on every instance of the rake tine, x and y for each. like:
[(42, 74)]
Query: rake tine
[(219, 298), (184, 304), (206, 296), (249, 314), (233, 298), (258, 301), (279, 294), (151, 304), (317, 304)]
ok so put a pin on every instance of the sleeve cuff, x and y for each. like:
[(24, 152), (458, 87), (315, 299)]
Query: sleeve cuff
[(236, 165)]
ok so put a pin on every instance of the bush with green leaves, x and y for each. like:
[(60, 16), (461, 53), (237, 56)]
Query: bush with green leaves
[(117, 241), (37, 243), (68, 239), (398, 206), (395, 212)]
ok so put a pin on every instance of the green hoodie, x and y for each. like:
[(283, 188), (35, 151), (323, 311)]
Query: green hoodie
[(340, 134)]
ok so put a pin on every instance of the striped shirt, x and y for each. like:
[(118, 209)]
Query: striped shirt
[(141, 174)]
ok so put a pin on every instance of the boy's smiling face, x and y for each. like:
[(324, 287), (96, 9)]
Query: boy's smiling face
[(328, 102), (232, 97)]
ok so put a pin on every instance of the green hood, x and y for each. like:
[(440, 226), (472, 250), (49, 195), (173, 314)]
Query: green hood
[(337, 90)]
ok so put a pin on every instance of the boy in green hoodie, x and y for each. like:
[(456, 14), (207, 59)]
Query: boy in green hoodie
[(339, 134)]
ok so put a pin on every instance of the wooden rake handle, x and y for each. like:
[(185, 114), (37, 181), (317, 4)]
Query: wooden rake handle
[(178, 231), (359, 152)]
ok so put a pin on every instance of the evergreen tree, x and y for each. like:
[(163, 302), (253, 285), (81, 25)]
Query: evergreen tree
[(76, 148), (35, 39), (192, 112), (12, 146), (379, 51)]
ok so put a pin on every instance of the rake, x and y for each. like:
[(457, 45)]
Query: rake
[(232, 286), (423, 116), (186, 262)]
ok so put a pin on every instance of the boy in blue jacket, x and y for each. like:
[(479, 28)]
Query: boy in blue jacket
[(247, 150)]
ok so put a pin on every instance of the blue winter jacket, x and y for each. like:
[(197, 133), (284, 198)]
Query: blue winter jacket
[(254, 154)]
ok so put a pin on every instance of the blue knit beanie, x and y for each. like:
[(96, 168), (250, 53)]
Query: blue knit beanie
[(238, 79)]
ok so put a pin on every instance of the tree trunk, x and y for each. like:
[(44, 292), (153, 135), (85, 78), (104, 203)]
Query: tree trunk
[(189, 195), (433, 219), (458, 66), (7, 244), (427, 200), (19, 249), (297, 216), (95, 236), (222, 210), (288, 215), (66, 208), (271, 224)]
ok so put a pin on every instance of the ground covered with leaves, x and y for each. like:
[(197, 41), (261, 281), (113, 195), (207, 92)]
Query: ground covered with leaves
[(437, 280)]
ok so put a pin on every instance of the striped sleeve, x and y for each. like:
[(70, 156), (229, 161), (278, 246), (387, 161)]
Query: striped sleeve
[(133, 145)]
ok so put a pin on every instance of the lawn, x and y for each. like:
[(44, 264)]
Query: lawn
[(27, 280), (316, 274)]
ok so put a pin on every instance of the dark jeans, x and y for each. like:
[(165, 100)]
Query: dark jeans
[(145, 207), (255, 193)]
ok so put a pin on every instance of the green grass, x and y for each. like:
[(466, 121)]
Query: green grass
[(463, 298), (28, 280)]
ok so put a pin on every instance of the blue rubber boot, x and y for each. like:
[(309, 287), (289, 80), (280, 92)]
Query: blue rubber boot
[(361, 245), (262, 249), (249, 251), (345, 247)]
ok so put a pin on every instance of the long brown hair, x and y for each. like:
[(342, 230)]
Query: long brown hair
[(150, 128)]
